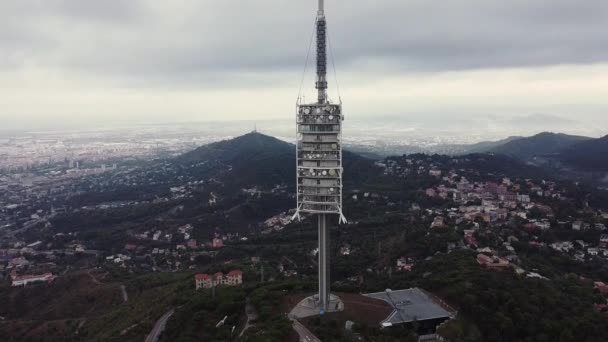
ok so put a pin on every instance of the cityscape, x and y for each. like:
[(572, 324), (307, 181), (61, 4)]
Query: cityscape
[(21, 150)]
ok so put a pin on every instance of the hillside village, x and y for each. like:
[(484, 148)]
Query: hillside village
[(460, 198), (404, 212), (505, 211)]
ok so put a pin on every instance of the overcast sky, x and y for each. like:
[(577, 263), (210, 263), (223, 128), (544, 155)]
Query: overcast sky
[(136, 61)]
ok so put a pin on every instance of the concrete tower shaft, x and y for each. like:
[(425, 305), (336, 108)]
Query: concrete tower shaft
[(324, 259)]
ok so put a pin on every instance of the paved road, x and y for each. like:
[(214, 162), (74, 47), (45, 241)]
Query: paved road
[(252, 315), (82, 322), (159, 327), (95, 280), (305, 334), (28, 226), (66, 270), (125, 296)]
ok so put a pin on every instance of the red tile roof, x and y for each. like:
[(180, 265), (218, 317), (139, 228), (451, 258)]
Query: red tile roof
[(235, 273), (603, 287), (202, 276)]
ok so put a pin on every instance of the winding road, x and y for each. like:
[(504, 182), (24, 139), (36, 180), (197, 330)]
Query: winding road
[(252, 315), (305, 334), (159, 327), (125, 296)]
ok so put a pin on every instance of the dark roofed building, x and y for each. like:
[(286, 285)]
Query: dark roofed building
[(414, 305)]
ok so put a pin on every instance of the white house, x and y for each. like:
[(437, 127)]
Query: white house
[(28, 279)]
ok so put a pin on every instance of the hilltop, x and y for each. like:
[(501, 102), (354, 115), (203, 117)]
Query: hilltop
[(256, 158), (251, 146), (249, 160)]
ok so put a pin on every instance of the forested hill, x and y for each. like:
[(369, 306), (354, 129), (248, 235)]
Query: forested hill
[(257, 158), (485, 146), (249, 147), (542, 144), (590, 154), (252, 159)]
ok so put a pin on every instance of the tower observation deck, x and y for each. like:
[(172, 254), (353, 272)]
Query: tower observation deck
[(319, 157)]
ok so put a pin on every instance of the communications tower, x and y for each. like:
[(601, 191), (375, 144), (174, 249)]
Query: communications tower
[(319, 159)]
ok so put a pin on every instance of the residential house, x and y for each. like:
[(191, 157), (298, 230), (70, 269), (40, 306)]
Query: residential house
[(234, 278), (604, 241), (601, 286), (438, 222), (218, 243), (24, 280), (205, 281), (191, 244), (405, 264), (492, 262)]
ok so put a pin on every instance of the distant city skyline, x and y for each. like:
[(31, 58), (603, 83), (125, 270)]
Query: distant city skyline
[(460, 65)]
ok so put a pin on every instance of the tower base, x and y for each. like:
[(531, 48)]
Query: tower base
[(310, 306)]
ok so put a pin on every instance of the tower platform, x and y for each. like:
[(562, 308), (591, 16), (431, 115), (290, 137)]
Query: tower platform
[(310, 306)]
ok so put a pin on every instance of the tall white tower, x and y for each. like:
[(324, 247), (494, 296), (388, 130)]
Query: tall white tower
[(319, 159)]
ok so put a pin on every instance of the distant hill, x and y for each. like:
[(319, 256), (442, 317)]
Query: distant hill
[(485, 146), (253, 159), (258, 159), (590, 154), (542, 144), (251, 146)]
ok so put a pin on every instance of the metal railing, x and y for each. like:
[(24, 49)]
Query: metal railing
[(321, 138), (319, 156), (323, 147)]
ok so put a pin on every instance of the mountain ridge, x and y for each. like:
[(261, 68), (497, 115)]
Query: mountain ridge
[(587, 154), (541, 144)]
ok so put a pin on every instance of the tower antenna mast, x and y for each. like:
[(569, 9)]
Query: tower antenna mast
[(321, 84)]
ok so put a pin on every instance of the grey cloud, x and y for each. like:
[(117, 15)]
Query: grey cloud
[(206, 41), (112, 11)]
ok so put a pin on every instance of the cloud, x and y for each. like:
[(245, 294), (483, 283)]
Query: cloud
[(76, 47), (169, 39)]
